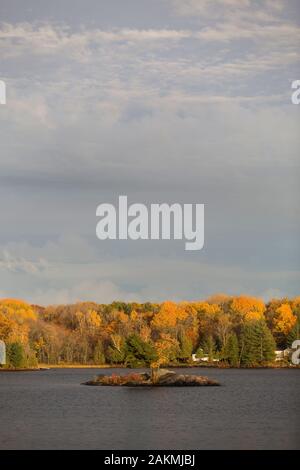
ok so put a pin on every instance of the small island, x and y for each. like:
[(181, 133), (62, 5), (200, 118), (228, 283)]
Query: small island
[(161, 378)]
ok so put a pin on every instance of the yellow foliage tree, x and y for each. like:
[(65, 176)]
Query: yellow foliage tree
[(17, 310), (248, 308), (166, 347), (15, 318), (284, 320), (167, 316)]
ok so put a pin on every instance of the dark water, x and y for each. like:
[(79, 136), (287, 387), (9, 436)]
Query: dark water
[(254, 409)]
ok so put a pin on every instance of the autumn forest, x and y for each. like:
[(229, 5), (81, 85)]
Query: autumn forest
[(223, 330)]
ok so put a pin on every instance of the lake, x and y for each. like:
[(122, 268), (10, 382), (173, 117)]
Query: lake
[(253, 409)]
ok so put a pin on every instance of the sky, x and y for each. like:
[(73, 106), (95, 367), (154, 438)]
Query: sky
[(184, 101)]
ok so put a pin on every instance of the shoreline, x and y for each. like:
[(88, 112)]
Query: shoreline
[(170, 366), (43, 367)]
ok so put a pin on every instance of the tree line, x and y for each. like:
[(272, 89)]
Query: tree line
[(235, 331)]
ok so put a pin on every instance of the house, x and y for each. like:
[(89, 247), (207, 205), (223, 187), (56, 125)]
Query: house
[(281, 355), (202, 359)]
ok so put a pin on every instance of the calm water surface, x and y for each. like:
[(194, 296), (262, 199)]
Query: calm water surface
[(253, 409)]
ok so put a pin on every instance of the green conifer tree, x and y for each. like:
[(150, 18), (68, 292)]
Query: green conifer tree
[(139, 353), (209, 347), (230, 351), (257, 344), (294, 333), (16, 355), (186, 347)]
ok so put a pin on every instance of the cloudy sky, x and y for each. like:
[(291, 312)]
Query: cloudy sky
[(164, 101)]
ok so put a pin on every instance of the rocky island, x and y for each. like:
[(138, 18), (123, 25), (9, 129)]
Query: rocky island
[(163, 378)]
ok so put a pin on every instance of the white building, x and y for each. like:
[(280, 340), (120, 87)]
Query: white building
[(202, 359), (282, 355)]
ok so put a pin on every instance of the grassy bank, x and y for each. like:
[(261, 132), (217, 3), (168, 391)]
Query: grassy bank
[(80, 366), (170, 366)]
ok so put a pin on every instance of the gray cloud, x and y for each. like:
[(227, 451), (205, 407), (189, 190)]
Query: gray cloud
[(11, 263), (191, 103)]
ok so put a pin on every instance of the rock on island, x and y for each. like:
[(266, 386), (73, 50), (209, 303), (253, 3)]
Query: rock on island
[(163, 378)]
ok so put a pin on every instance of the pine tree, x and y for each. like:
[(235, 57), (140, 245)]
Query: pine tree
[(115, 356), (138, 352), (257, 344), (294, 333), (230, 352), (209, 347), (16, 355), (186, 347)]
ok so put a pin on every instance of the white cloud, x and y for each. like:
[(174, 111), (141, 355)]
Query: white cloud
[(270, 294), (50, 40), (264, 9), (206, 7), (141, 278), (92, 290), (227, 20), (19, 264)]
